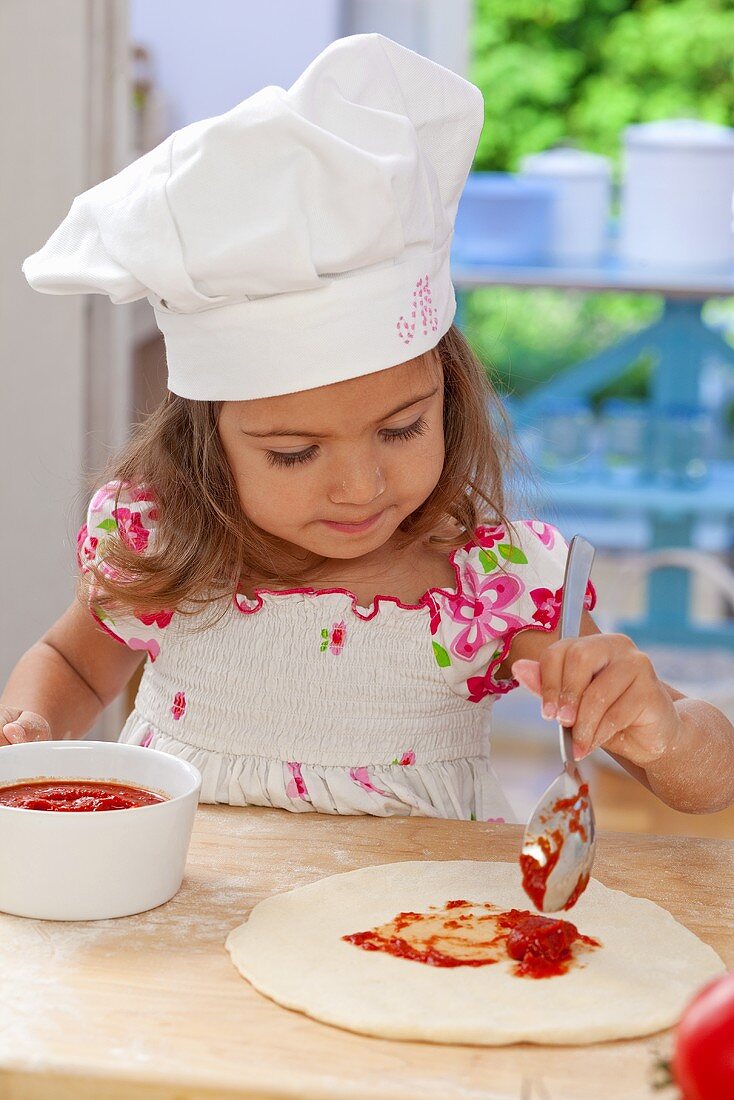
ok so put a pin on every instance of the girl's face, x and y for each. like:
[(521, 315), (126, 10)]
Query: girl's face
[(369, 446)]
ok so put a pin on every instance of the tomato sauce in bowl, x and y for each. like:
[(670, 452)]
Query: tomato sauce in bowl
[(81, 861), (76, 796)]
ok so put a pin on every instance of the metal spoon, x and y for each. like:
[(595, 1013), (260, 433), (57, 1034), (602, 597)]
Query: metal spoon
[(560, 837)]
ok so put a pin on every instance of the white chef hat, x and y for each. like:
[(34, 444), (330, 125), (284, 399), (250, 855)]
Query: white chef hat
[(300, 239)]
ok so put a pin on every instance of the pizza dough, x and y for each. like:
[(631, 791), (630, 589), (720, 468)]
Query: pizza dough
[(638, 982)]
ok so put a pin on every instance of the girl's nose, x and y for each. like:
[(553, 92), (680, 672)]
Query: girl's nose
[(359, 485)]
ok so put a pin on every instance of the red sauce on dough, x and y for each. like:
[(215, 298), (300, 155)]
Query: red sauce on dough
[(76, 795), (535, 875), (541, 947)]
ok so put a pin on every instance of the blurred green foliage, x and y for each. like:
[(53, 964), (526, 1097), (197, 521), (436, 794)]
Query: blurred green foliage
[(524, 336), (578, 72)]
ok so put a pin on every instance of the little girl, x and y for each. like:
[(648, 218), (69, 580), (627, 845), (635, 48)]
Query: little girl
[(307, 542)]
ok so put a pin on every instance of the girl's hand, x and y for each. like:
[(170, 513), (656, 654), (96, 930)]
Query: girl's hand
[(607, 690), (22, 725)]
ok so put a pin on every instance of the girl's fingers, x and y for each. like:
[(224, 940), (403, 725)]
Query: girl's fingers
[(568, 667), (14, 733), (527, 673), (551, 676), (607, 691), (28, 726), (8, 714), (608, 706)]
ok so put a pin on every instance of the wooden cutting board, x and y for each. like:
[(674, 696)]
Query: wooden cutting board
[(150, 1007)]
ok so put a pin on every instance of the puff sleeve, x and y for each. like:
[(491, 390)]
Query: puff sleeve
[(132, 519), (508, 580)]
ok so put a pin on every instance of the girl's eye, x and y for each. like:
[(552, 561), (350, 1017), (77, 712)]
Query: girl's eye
[(277, 458), (417, 428)]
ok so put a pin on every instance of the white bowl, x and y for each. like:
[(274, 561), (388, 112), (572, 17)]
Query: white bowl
[(57, 865)]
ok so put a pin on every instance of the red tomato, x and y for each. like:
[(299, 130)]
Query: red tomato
[(703, 1059)]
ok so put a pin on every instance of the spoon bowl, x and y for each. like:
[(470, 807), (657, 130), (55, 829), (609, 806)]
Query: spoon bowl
[(559, 844)]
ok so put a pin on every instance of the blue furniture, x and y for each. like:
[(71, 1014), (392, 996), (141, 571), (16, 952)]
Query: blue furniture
[(680, 341)]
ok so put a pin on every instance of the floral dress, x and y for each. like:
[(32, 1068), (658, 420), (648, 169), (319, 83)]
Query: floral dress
[(304, 699)]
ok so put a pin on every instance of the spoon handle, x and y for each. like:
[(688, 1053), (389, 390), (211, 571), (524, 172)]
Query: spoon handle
[(575, 581)]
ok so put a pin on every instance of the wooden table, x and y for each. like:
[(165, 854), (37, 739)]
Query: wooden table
[(150, 1007)]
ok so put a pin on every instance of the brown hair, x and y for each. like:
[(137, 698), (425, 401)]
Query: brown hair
[(205, 545)]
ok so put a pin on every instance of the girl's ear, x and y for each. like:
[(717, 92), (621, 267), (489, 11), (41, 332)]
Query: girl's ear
[(528, 673)]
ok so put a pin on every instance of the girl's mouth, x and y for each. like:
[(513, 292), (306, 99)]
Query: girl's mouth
[(353, 528)]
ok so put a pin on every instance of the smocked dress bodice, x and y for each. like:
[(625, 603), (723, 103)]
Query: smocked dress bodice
[(306, 700)]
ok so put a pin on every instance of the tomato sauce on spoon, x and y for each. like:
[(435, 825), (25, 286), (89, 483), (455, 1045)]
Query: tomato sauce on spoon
[(535, 875)]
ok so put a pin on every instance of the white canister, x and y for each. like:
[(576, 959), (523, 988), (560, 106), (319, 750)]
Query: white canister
[(676, 201), (582, 182)]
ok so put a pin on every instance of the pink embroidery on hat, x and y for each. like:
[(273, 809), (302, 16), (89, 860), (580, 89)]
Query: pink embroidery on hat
[(421, 301)]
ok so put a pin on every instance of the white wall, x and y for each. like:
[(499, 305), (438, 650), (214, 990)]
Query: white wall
[(63, 79), (43, 135), (209, 56)]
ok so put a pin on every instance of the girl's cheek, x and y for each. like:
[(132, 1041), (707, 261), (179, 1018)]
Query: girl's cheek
[(269, 500), (427, 465)]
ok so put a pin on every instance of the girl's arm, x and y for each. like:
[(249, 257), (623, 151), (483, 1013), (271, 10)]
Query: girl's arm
[(681, 749), (66, 679)]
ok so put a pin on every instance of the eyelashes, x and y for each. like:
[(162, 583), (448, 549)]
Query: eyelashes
[(419, 427)]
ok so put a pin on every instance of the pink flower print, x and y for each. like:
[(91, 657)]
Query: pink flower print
[(89, 548), (179, 705), (480, 608), (160, 618), (296, 787), (435, 614), (150, 645), (361, 777), (487, 537), (478, 687), (110, 571), (547, 603), (86, 546), (133, 493), (422, 302), (132, 532), (80, 537), (100, 498), (147, 739), (544, 532), (406, 759), (334, 640), (498, 820), (138, 493)]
